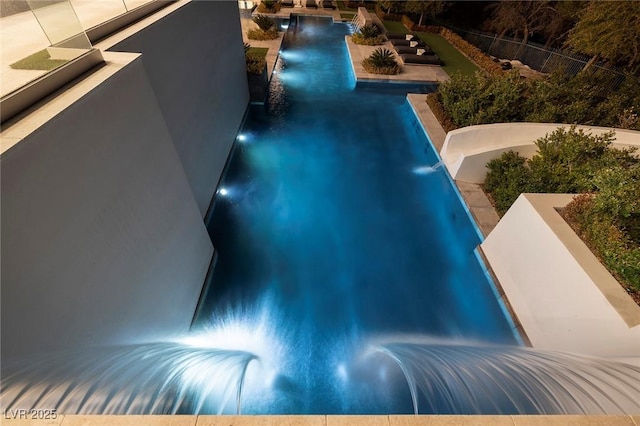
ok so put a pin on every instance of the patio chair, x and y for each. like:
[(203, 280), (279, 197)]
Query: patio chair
[(287, 3), (400, 36), (327, 4), (311, 4), (408, 43), (425, 50), (421, 59)]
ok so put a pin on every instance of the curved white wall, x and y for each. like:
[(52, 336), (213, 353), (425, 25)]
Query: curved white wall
[(563, 297), (466, 151)]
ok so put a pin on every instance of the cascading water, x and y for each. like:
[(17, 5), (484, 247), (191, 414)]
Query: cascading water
[(326, 241), (425, 170)]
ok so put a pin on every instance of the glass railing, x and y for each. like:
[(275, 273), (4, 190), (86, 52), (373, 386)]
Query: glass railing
[(39, 36)]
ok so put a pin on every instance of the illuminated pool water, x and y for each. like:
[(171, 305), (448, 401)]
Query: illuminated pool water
[(346, 281), (329, 211)]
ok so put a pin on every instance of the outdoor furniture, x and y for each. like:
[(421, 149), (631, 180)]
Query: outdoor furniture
[(311, 3), (400, 36), (327, 4), (287, 3), (412, 43), (425, 50), (421, 59)]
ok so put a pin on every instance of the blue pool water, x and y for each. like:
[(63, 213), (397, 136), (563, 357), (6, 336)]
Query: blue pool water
[(345, 282), (322, 212)]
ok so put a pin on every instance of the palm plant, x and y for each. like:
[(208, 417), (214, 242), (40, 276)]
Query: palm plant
[(382, 58), (264, 22), (381, 61), (369, 31)]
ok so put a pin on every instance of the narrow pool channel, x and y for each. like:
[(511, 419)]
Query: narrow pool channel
[(332, 219)]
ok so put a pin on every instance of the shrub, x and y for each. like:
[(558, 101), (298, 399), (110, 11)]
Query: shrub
[(369, 31), (482, 99), (368, 35), (360, 39), (264, 22), (269, 6), (480, 58), (508, 177), (436, 107), (381, 61), (567, 161), (258, 34), (606, 239)]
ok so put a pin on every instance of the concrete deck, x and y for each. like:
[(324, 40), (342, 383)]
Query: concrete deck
[(320, 420), (481, 208), (412, 73)]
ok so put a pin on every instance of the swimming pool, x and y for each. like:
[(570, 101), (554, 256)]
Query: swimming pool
[(329, 211)]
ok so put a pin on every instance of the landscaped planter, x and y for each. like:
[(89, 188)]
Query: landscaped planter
[(562, 295), (258, 86)]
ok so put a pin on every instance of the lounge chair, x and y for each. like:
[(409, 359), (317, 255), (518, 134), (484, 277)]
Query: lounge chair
[(421, 59), (413, 50), (408, 43), (287, 3), (311, 3), (400, 36), (327, 4)]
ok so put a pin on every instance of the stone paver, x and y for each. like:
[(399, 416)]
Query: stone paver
[(572, 420), (414, 73), (435, 131), (261, 421), (357, 420), (129, 420), (450, 421)]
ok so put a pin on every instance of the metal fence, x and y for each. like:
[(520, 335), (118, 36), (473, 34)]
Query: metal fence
[(536, 56)]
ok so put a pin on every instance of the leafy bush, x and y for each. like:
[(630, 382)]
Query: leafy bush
[(264, 22), (369, 31), (360, 39), (258, 34), (567, 161), (381, 61), (606, 215), (607, 240), (269, 6), (482, 99), (558, 98), (433, 100), (255, 58), (508, 177), (368, 35)]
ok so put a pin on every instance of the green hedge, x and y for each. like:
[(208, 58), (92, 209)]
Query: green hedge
[(606, 216), (484, 99)]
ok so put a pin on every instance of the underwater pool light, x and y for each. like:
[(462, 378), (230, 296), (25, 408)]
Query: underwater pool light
[(242, 137), (223, 191)]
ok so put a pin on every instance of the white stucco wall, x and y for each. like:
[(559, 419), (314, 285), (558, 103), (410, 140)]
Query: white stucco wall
[(563, 297), (195, 62), (105, 185), (466, 151)]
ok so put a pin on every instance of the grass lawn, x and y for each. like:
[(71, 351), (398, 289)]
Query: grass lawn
[(454, 61), (258, 52), (342, 6), (348, 15), (395, 27), (38, 61)]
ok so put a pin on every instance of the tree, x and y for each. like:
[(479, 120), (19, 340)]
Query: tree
[(429, 8), (608, 30), (390, 5), (523, 18)]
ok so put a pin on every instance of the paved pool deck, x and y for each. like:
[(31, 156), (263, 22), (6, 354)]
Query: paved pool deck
[(331, 420)]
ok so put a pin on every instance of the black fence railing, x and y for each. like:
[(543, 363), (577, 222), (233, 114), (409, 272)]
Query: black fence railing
[(537, 56)]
